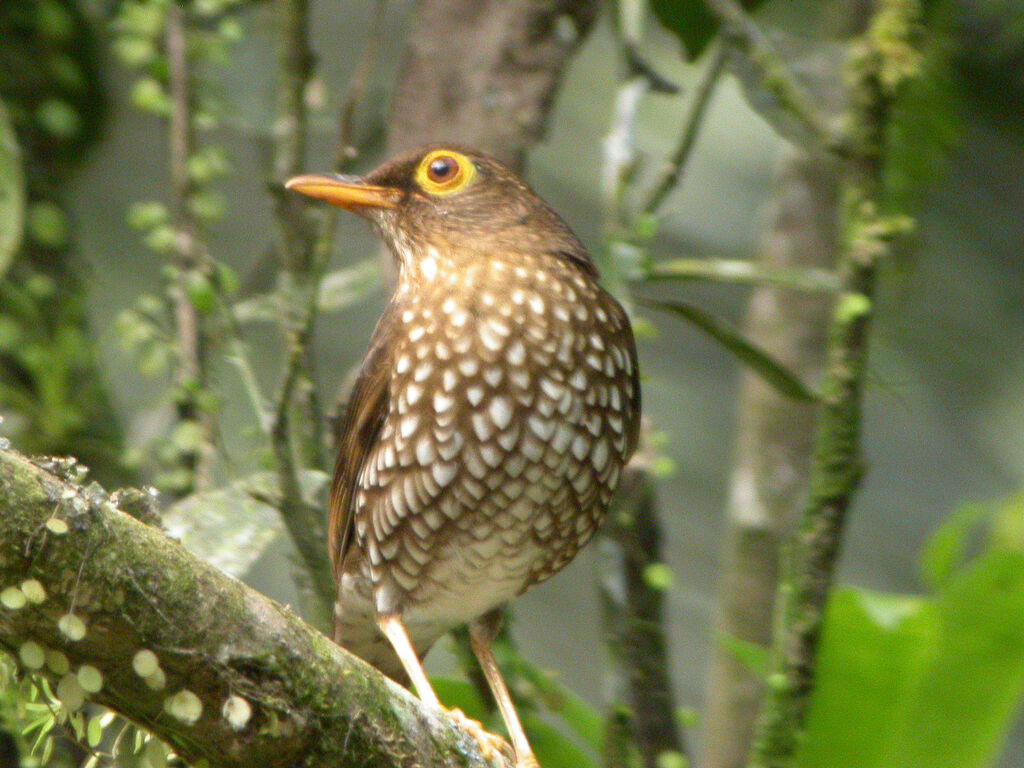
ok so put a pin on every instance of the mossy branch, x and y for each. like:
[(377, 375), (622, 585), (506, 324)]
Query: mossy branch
[(877, 68), (296, 698), (633, 606)]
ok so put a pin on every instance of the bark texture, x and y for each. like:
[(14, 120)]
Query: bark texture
[(484, 72), (773, 445)]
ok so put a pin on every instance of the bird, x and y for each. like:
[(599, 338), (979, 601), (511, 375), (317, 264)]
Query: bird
[(490, 422)]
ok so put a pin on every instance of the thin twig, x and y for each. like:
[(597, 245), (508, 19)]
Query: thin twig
[(291, 447), (347, 147), (190, 336), (774, 75), (673, 167), (297, 419), (805, 279), (632, 598)]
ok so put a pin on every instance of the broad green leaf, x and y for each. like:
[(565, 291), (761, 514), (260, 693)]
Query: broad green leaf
[(230, 527), (12, 193), (906, 681), (346, 286), (458, 693), (691, 21), (760, 362), (553, 748), (581, 717)]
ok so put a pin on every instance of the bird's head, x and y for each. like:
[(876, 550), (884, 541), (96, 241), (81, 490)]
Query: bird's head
[(452, 200)]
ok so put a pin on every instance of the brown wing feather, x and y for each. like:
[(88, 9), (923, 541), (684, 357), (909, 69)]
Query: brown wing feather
[(357, 432)]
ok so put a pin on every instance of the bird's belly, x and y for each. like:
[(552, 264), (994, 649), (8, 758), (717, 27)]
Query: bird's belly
[(504, 438)]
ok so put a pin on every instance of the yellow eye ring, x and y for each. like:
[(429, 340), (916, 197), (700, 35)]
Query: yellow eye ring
[(444, 172)]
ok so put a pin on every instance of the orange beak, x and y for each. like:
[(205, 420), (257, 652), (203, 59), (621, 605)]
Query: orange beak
[(348, 192)]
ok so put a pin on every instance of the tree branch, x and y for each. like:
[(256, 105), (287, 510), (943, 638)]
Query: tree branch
[(883, 59), (632, 598), (773, 444), (309, 702), (773, 76), (672, 169), (493, 89)]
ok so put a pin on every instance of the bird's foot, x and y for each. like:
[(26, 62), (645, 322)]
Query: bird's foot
[(491, 744)]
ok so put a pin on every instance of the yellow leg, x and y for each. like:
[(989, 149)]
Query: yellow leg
[(394, 631), (481, 635)]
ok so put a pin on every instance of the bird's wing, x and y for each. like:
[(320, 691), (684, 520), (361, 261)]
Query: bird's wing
[(357, 431)]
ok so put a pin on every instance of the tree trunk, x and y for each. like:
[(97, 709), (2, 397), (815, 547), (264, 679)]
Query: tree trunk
[(772, 449)]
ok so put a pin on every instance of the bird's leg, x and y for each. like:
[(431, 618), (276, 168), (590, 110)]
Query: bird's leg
[(482, 632), (393, 629)]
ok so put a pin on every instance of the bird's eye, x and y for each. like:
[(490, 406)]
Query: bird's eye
[(444, 172), (442, 169)]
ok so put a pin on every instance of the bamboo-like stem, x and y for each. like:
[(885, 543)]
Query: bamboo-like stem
[(807, 279), (190, 336), (883, 59), (297, 420)]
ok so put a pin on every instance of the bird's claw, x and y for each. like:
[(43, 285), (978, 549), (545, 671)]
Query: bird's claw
[(491, 745)]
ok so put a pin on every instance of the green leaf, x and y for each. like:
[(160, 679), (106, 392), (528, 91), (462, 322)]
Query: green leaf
[(47, 224), (944, 551), (769, 369), (12, 193), (553, 748), (582, 719), (458, 693), (691, 22), (231, 526), (751, 655), (94, 731), (262, 308), (907, 681), (59, 118), (346, 286)]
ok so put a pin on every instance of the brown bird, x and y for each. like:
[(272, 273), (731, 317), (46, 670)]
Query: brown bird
[(492, 417)]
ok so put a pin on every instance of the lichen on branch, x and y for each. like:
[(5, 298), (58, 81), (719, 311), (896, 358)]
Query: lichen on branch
[(213, 668)]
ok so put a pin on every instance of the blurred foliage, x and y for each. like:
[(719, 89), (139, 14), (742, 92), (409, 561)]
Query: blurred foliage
[(196, 288), (935, 679), (12, 193), (52, 726), (927, 114), (230, 527), (691, 22), (51, 397)]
